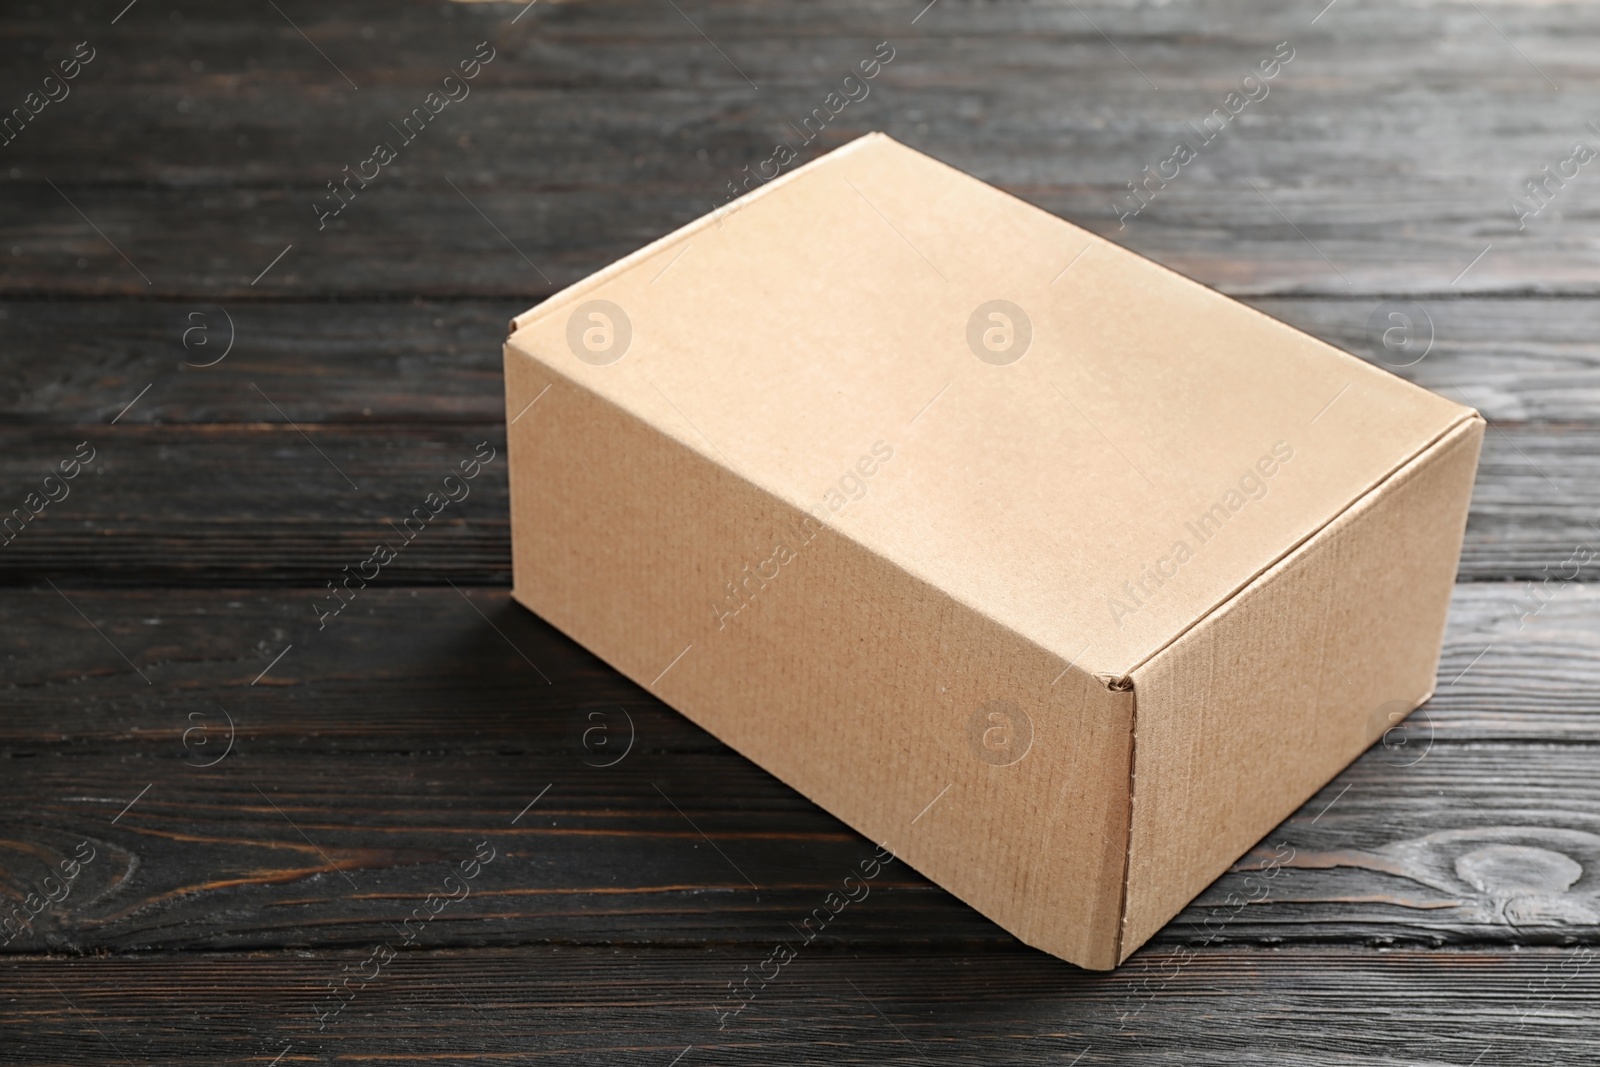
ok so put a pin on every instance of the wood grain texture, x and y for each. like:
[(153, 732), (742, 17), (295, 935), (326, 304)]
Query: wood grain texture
[(233, 503), (410, 361), (320, 805), (1315, 1008), (1515, 360), (317, 847), (584, 139), (269, 800)]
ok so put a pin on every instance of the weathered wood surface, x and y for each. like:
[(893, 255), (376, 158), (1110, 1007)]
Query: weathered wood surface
[(388, 362), (584, 138), (1440, 907), (590, 1005), (319, 805)]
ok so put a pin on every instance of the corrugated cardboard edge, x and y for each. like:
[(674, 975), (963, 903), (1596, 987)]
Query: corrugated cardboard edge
[(1421, 457), (565, 296), (1466, 415)]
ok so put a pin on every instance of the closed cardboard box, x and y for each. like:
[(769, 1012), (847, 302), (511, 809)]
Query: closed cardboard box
[(1063, 576)]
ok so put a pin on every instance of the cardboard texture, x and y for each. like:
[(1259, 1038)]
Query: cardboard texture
[(1063, 576)]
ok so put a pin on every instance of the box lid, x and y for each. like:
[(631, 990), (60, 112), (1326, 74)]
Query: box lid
[(1087, 447)]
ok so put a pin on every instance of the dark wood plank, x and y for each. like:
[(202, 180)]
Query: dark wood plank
[(1514, 360), (411, 242), (233, 504), (1517, 360), (532, 244), (341, 786), (1470, 845), (585, 138), (598, 1006), (1526, 519), (1518, 664), (390, 361)]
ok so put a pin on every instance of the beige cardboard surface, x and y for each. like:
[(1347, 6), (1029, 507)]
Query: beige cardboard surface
[(864, 702), (786, 337), (1251, 712), (794, 470)]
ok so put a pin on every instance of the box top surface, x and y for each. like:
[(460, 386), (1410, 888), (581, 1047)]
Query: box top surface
[(1093, 450)]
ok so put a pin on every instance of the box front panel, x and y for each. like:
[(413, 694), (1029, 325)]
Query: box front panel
[(986, 763)]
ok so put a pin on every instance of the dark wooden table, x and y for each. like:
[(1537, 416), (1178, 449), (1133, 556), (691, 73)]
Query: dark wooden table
[(217, 818)]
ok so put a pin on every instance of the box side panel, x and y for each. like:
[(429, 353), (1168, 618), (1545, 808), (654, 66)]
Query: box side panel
[(985, 762), (1245, 717)]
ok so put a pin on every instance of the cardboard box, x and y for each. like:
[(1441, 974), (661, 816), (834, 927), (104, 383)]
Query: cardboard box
[(1065, 577)]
